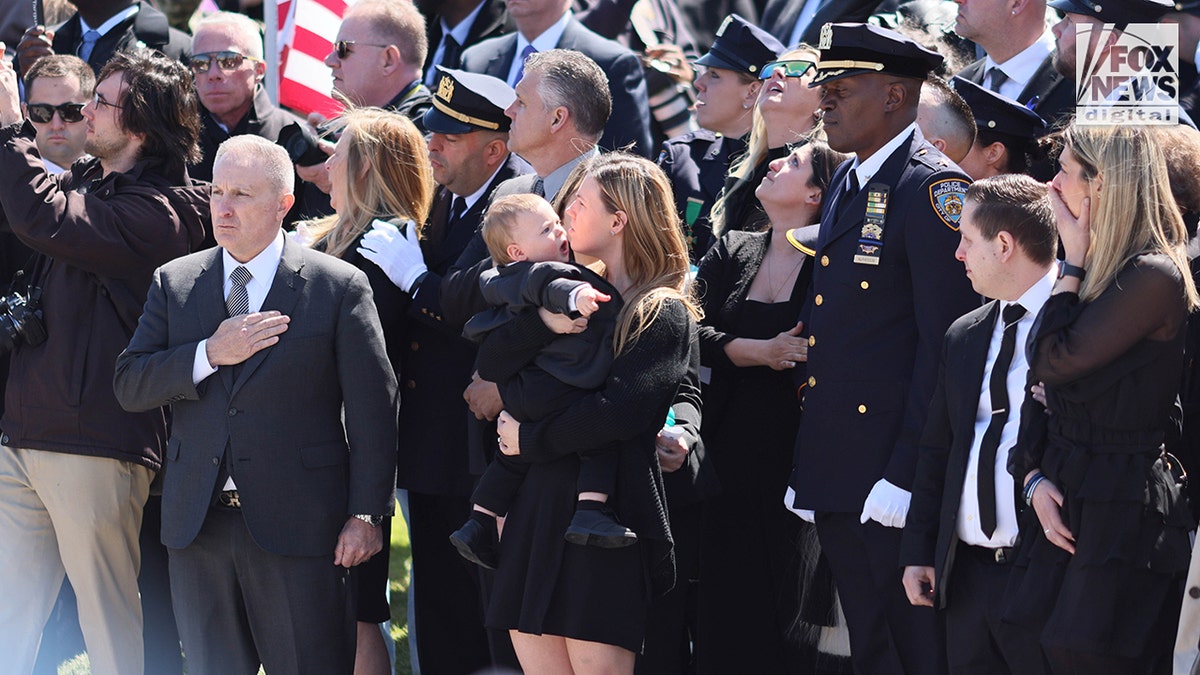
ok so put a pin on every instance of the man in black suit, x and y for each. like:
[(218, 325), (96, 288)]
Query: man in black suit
[(470, 157), (796, 21), (884, 290), (1020, 55), (963, 521), (543, 25), (454, 25), (262, 348)]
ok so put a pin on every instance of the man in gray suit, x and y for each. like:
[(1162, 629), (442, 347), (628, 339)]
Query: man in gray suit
[(262, 348)]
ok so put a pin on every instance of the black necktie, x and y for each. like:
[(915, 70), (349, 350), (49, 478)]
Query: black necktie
[(998, 385), (238, 302), (848, 193), (451, 52), (539, 187), (457, 209), (997, 79)]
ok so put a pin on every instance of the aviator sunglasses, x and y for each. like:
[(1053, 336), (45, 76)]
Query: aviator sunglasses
[(44, 112), (227, 61), (343, 47), (790, 69)]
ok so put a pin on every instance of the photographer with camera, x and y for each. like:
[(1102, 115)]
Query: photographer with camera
[(227, 62), (75, 469)]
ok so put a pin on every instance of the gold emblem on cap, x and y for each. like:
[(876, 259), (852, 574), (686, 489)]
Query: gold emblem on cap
[(446, 88), (724, 24), (826, 37)]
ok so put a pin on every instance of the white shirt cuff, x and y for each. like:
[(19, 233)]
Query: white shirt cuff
[(200, 366)]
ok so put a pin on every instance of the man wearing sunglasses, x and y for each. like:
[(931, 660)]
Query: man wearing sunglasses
[(56, 89), (77, 466)]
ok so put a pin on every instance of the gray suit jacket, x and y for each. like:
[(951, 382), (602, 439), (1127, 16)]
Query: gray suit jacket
[(300, 471)]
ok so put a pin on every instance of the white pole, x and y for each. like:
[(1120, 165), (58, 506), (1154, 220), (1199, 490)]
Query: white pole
[(271, 34)]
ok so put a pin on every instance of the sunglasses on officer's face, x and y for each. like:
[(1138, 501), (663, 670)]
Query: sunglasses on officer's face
[(789, 68), (42, 113), (227, 61)]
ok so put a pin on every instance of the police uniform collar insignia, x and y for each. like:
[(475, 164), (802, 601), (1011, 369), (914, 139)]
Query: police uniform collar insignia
[(947, 199), (870, 238)]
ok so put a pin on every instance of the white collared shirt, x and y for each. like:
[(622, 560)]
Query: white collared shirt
[(967, 527), (262, 267), (546, 41), (459, 32), (1021, 68), (866, 169), (112, 23)]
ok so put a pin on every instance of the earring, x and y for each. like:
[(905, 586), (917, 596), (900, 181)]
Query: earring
[(612, 233), (745, 106)]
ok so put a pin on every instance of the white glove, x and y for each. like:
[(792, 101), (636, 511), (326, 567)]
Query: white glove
[(789, 498), (397, 254), (887, 504)]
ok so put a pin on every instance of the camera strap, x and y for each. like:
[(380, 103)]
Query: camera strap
[(28, 276)]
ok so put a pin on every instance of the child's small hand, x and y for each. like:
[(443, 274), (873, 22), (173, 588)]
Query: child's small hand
[(588, 299)]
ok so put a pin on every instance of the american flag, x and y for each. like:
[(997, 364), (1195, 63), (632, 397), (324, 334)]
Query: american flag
[(307, 29)]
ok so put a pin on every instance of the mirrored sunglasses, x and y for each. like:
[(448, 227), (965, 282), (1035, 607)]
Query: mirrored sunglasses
[(343, 47), (789, 68), (44, 112), (227, 61)]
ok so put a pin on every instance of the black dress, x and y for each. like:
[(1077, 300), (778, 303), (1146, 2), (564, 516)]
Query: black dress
[(1111, 369), (750, 586), (543, 584)]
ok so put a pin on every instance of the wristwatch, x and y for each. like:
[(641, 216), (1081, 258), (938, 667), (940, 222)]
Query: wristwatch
[(1066, 269), (373, 521)]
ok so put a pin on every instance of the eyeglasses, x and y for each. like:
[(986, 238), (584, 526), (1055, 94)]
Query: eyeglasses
[(789, 68), (342, 47), (97, 101), (44, 112), (227, 61)]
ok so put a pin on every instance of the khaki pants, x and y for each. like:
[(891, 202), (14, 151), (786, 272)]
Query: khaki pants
[(79, 515)]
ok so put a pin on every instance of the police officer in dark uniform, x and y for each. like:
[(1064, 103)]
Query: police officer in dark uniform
[(696, 162), (885, 288), (1006, 132)]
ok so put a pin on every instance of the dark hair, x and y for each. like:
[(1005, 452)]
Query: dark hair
[(160, 104), (1019, 154), (1019, 205), (574, 81), (825, 160), (1181, 149), (61, 65)]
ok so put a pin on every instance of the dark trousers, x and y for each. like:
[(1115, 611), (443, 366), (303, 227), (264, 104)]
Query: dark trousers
[(239, 606), (888, 635), (499, 483), (448, 603), (977, 642)]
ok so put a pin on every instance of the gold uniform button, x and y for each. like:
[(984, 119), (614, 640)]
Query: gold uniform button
[(414, 346), (812, 381), (865, 285), (824, 261), (818, 300), (411, 384), (812, 340), (862, 409)]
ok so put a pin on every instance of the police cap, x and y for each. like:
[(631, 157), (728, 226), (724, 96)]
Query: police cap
[(741, 46), (465, 102), (999, 114), (849, 49), (1120, 12)]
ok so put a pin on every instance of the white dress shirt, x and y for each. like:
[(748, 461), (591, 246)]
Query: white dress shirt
[(1021, 68), (459, 32), (546, 41), (968, 527), (865, 170), (104, 28)]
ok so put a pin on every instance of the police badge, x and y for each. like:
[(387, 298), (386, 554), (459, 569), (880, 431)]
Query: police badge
[(947, 199)]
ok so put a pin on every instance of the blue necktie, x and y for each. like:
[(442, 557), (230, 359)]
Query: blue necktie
[(524, 55), (88, 44)]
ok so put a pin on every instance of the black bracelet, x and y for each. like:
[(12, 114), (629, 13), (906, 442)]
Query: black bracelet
[(1066, 269)]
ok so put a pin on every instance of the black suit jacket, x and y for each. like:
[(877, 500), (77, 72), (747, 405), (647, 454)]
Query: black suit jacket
[(437, 361), (876, 330), (300, 470), (930, 533), (149, 27), (630, 119), (779, 17), (1052, 95), (492, 21)]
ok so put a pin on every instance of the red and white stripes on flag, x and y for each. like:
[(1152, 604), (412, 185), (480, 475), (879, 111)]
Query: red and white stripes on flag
[(307, 29)]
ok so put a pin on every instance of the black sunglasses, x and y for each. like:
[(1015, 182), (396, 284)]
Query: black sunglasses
[(342, 47), (44, 112), (227, 61)]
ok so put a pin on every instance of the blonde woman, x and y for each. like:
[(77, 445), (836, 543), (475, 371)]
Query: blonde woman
[(1105, 546), (379, 170), (579, 608)]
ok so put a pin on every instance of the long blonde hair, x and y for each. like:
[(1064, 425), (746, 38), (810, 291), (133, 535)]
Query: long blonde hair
[(744, 165), (1134, 212), (653, 251), (388, 175)]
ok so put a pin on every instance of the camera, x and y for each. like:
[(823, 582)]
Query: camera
[(303, 147), (21, 320)]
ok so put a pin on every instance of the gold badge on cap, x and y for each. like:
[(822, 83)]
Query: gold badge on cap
[(826, 37), (446, 88)]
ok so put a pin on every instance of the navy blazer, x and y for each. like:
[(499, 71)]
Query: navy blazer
[(875, 331), (630, 119), (307, 426)]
